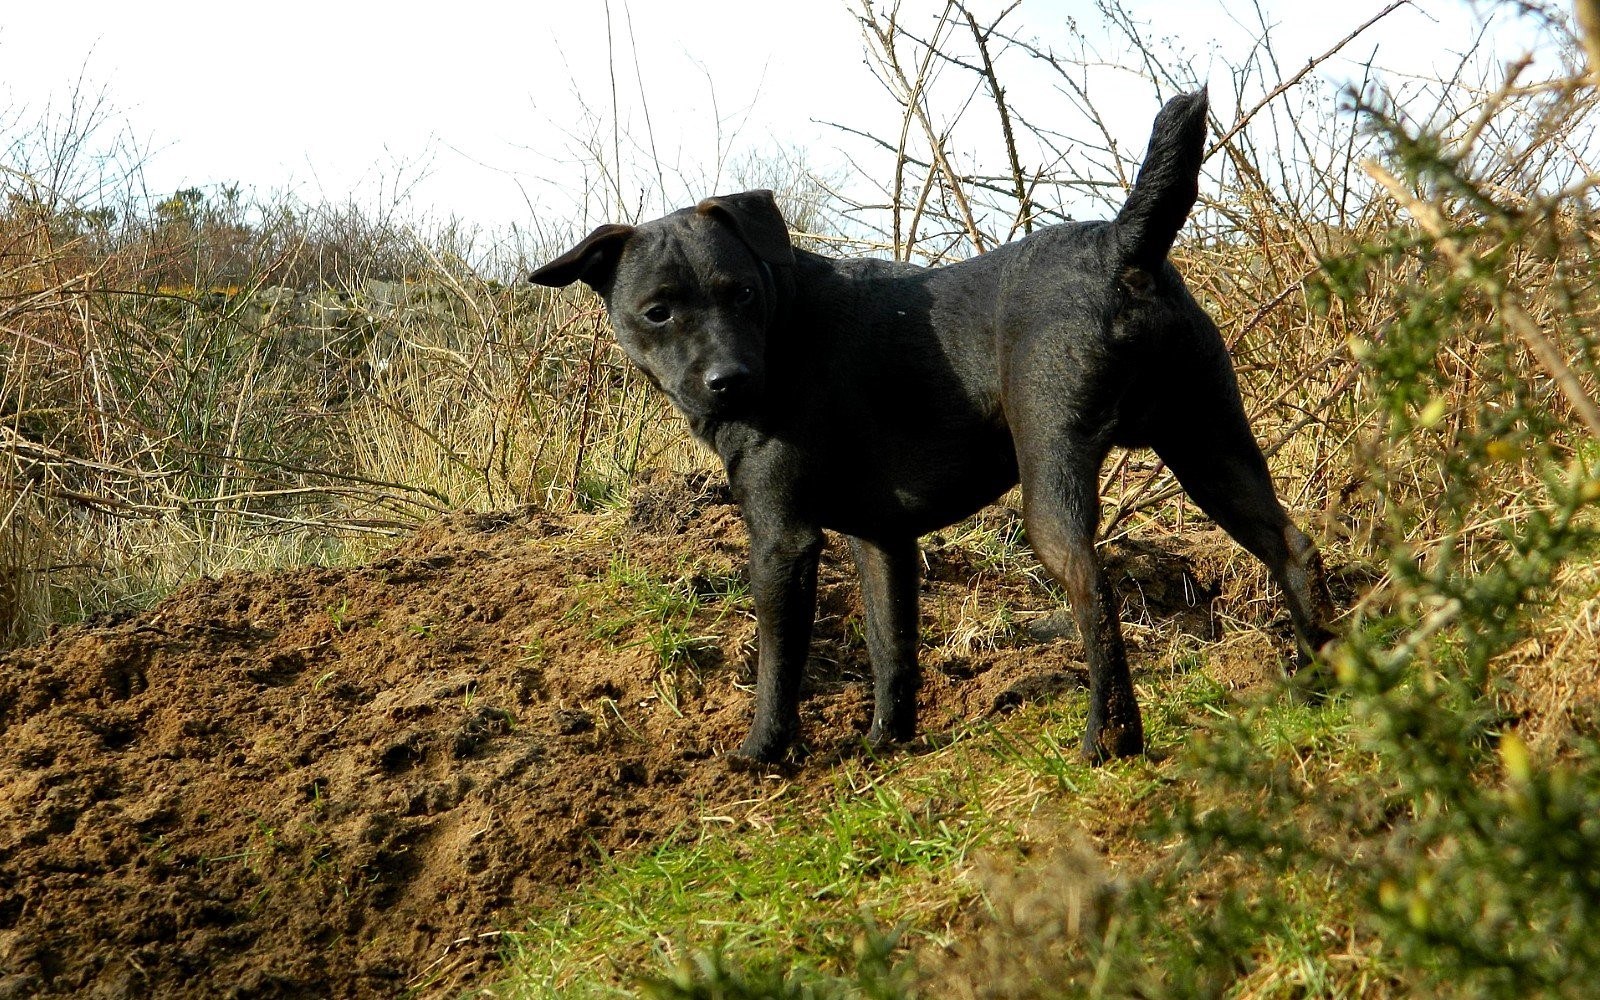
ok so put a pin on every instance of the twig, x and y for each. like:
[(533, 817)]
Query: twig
[(912, 97), (1310, 65), (1506, 299), (1024, 206)]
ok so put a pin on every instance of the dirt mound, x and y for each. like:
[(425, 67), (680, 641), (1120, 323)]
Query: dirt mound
[(346, 782)]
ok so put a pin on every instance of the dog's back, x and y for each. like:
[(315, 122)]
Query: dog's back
[(919, 354)]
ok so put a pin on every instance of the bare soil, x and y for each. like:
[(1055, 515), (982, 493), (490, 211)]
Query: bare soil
[(346, 782)]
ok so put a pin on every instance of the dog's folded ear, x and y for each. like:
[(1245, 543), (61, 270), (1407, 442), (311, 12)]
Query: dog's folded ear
[(593, 261), (755, 217)]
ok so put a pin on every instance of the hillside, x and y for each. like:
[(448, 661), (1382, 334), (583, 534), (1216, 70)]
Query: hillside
[(348, 780)]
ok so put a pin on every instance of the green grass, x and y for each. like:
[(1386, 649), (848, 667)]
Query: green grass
[(675, 616), (858, 889)]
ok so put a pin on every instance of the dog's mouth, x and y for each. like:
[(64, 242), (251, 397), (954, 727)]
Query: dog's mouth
[(729, 406), (724, 392)]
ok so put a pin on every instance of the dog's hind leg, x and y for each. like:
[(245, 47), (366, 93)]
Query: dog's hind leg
[(1222, 468), (1061, 508), (889, 574)]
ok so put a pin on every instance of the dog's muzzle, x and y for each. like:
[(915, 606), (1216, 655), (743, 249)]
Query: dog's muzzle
[(729, 387)]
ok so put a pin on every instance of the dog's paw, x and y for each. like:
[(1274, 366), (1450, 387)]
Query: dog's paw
[(1113, 741), (886, 734), (1312, 678), (1312, 684), (762, 751), (743, 763)]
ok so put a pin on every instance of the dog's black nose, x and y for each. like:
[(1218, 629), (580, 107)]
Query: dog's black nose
[(727, 381)]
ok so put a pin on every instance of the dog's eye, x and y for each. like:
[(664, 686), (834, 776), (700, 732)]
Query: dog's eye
[(658, 314), (744, 296)]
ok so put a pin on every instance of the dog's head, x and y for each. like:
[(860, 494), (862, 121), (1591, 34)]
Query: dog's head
[(692, 296)]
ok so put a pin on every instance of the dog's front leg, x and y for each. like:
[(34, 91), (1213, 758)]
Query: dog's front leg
[(889, 575), (783, 582)]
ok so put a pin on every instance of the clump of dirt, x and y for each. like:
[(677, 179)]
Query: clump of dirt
[(347, 782)]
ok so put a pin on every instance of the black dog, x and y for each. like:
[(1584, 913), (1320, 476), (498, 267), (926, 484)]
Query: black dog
[(884, 401)]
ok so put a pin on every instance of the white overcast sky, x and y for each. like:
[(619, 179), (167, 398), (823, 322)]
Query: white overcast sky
[(327, 100)]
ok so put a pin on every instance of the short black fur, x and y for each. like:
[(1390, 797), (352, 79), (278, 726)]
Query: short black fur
[(884, 400)]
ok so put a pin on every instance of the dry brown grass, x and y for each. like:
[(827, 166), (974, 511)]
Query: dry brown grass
[(1555, 671), (152, 432)]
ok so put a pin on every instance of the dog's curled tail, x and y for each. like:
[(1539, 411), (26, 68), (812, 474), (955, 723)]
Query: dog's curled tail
[(1168, 183)]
